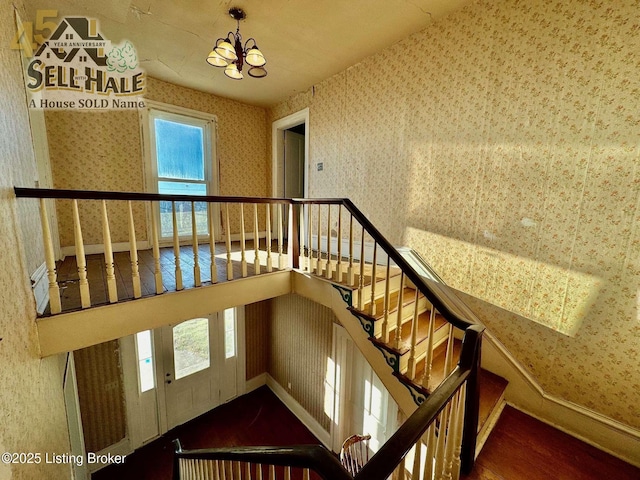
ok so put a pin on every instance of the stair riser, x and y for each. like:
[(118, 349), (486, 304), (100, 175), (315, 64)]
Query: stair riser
[(439, 338), (407, 316)]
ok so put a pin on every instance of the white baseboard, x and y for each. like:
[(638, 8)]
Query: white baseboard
[(255, 383), (40, 288), (70, 251), (299, 411)]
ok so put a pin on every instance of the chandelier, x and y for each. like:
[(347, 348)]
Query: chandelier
[(228, 53)]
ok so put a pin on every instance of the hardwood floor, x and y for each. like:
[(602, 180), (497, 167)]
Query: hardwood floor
[(258, 418), (523, 448), (68, 278)]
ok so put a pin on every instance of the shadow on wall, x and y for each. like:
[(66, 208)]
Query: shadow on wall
[(556, 297)]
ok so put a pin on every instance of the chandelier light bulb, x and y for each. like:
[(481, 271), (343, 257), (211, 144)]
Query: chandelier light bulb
[(229, 53)]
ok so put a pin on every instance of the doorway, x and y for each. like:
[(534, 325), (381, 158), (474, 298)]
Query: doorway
[(290, 156), (178, 372)]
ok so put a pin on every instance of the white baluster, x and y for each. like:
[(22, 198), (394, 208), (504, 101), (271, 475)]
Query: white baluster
[(133, 253), (441, 443), (228, 243), (243, 240), (310, 265), (350, 271), (372, 305), (399, 312), (223, 470), (247, 470), (339, 267), (196, 253), (428, 361), (386, 302), (212, 243), (417, 452), (157, 269), (361, 279), (319, 261), (451, 437), (256, 241), (259, 472), (269, 260), (401, 470), (430, 436), (108, 256), (287, 473), (55, 305), (272, 472), (85, 296), (448, 363), (280, 239), (302, 236), (414, 337), (176, 247), (329, 269), (458, 432), (306, 474)]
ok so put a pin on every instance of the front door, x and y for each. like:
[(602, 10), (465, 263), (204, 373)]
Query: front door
[(200, 365)]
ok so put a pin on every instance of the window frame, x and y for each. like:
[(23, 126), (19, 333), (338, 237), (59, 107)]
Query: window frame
[(187, 116)]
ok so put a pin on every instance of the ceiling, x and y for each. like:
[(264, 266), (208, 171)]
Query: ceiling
[(304, 41)]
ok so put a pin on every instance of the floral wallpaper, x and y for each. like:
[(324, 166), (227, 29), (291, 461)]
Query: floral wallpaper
[(102, 151), (507, 152), (31, 399)]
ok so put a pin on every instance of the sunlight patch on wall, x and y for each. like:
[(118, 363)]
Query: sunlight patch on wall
[(552, 296)]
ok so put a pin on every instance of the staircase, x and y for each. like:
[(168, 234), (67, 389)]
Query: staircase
[(407, 327), (389, 318)]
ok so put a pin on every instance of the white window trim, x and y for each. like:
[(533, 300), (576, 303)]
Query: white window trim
[(150, 168)]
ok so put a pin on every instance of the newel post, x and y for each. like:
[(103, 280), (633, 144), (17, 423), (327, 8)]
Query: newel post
[(472, 400)]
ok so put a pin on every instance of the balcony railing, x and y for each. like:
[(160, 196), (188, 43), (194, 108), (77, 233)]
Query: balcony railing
[(402, 315)]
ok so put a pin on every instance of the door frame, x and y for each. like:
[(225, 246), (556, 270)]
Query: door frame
[(150, 184), (130, 374), (277, 145)]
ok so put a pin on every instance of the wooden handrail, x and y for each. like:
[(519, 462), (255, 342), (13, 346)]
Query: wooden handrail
[(447, 313), (148, 197), (314, 457)]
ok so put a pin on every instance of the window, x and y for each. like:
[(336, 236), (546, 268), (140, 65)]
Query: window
[(191, 352), (146, 376), (181, 152), (229, 333)]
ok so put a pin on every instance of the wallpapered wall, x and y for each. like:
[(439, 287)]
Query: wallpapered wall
[(300, 338), (31, 400), (101, 395), (102, 151), (507, 153)]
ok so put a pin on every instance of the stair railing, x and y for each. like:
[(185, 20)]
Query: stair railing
[(429, 445), (332, 252), (335, 232)]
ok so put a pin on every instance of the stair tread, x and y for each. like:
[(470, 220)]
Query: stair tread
[(409, 295), (422, 334)]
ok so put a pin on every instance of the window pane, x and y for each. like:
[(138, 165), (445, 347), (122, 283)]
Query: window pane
[(229, 333), (191, 347), (179, 149), (145, 361), (147, 379), (183, 209)]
